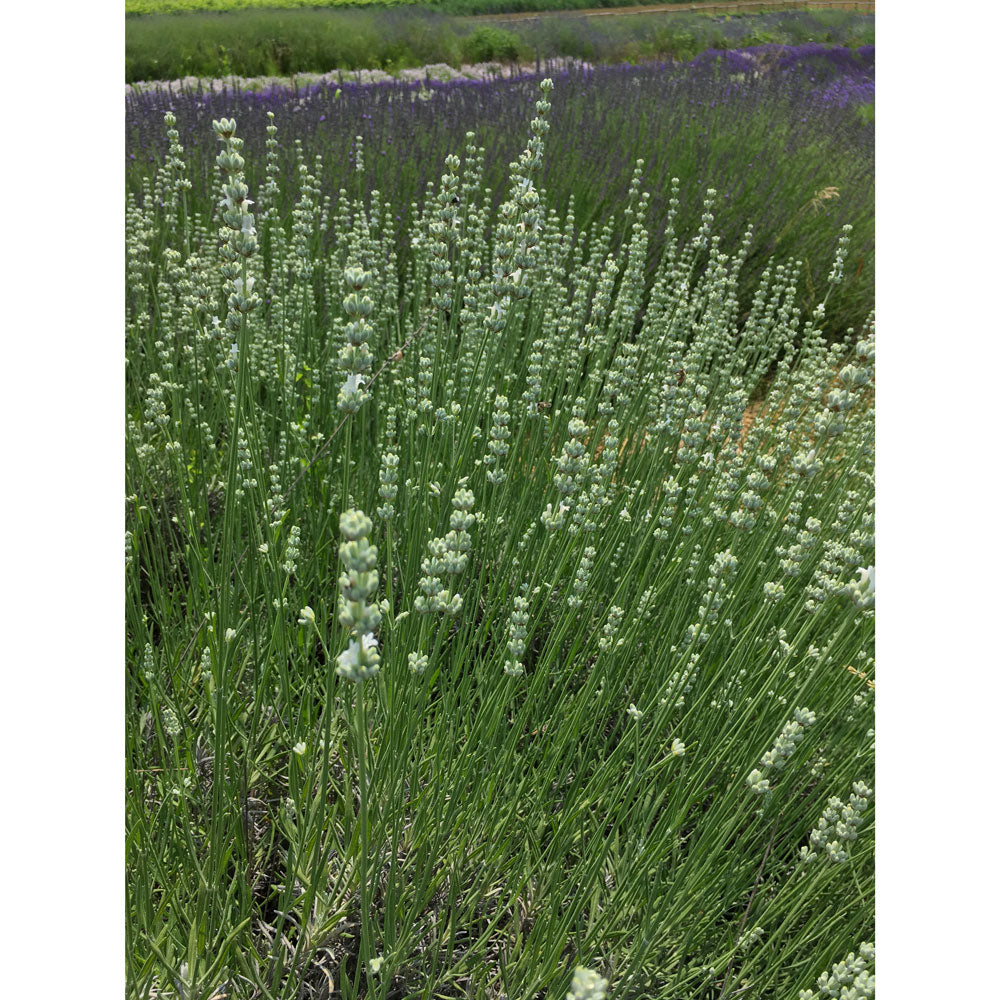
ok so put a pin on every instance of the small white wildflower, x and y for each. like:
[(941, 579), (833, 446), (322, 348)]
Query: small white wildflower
[(238, 285), (634, 712), (862, 590), (230, 634), (299, 748), (171, 724), (360, 660), (263, 548), (353, 383), (307, 616), (677, 748), (586, 985), (374, 964)]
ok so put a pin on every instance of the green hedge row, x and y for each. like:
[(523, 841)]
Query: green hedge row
[(280, 43)]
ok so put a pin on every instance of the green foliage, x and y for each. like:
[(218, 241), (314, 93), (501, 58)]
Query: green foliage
[(262, 43), (680, 45), (866, 112), (488, 44), (644, 516), (274, 42), (457, 7)]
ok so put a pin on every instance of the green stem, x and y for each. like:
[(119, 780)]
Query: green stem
[(362, 740)]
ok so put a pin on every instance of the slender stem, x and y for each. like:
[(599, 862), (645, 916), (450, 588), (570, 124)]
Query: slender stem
[(362, 741), (230, 531)]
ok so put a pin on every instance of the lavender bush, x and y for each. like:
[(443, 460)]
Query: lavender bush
[(499, 591)]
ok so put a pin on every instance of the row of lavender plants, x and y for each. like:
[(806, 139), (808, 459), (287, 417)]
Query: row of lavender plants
[(500, 590), (776, 130)]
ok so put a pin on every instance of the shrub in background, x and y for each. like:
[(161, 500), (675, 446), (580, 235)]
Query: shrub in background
[(488, 44)]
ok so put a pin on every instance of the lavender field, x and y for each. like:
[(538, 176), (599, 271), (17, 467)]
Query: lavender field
[(500, 535), (776, 130)]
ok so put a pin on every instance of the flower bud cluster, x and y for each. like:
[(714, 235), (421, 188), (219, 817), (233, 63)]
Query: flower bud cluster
[(700, 241), (171, 724), (518, 225), (601, 493), (305, 219), (355, 358), (497, 448), (607, 640), (573, 460), (148, 663), (671, 493), (681, 680), (724, 566), (517, 632), (155, 408), (804, 540), (239, 237), (388, 477), (270, 192), (447, 556), (837, 274), (443, 232), (586, 985), (784, 746), (276, 510), (177, 183), (838, 825), (582, 577), (852, 979), (805, 464), (292, 548), (862, 590), (601, 304), (751, 499), (244, 458), (532, 394), (621, 379), (358, 582)]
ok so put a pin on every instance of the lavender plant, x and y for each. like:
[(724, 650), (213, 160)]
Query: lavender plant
[(494, 740)]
